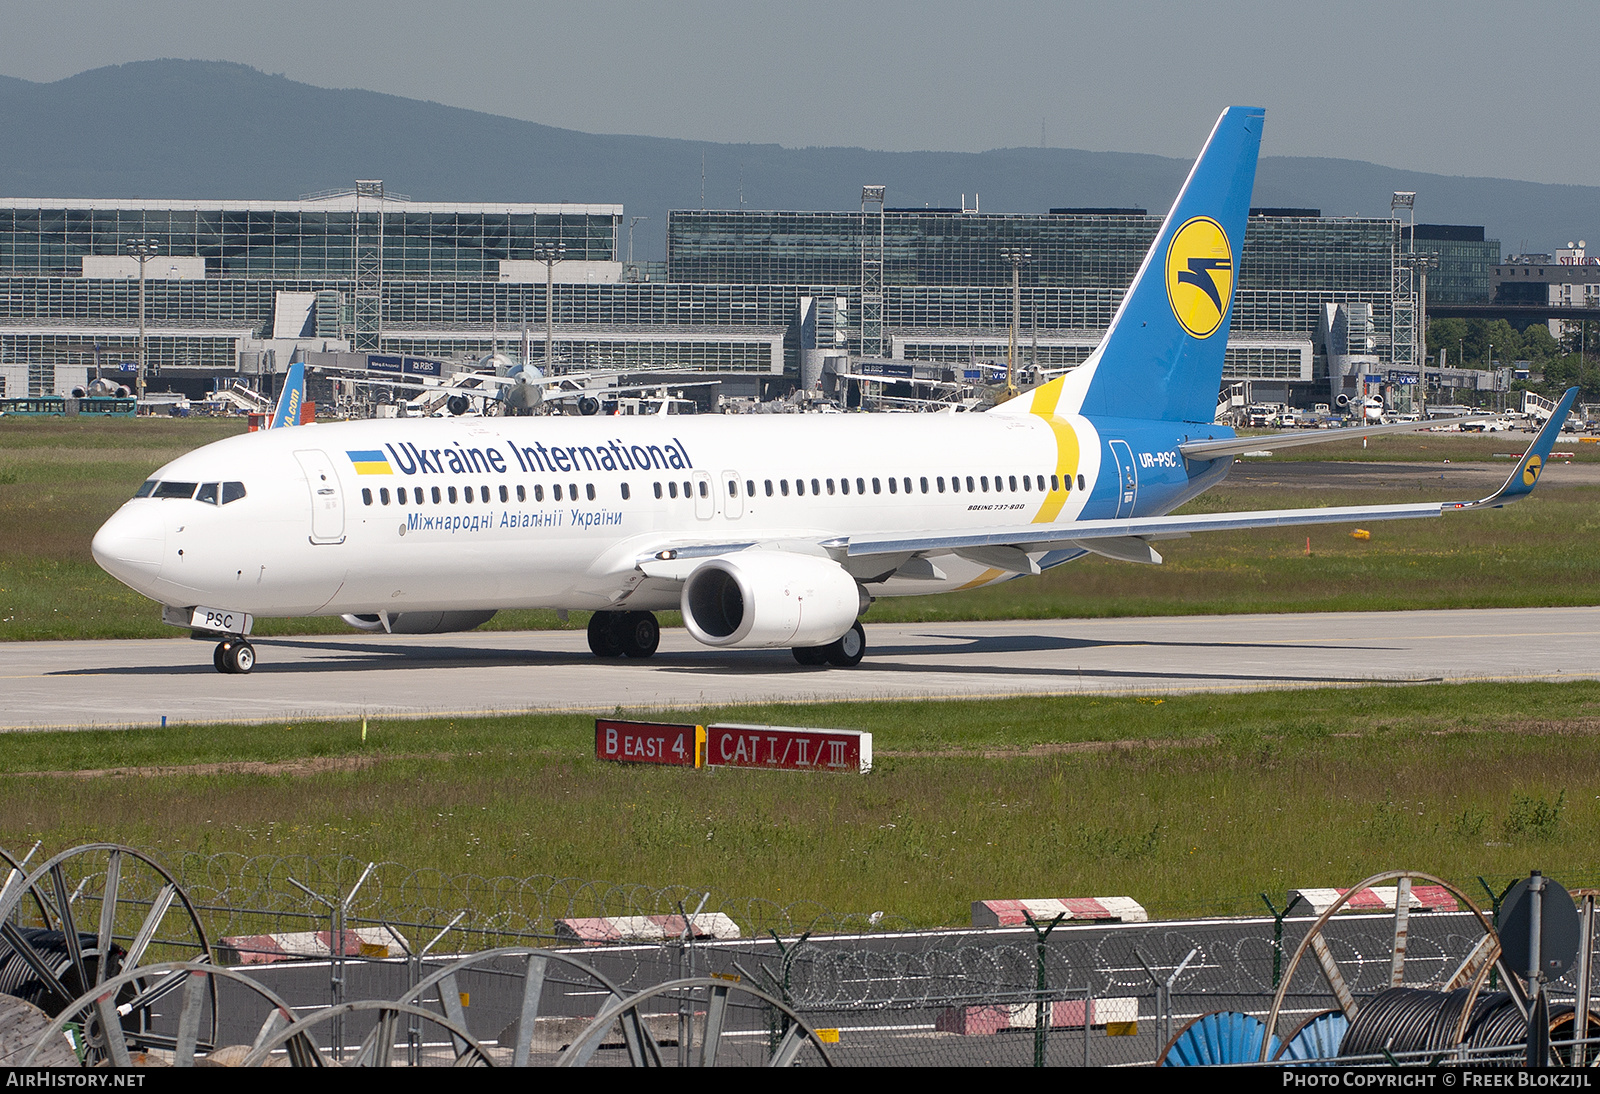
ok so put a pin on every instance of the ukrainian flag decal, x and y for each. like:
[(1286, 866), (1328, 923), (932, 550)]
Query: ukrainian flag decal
[(372, 462)]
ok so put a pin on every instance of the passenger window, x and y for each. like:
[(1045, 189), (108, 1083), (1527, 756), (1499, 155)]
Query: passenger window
[(626, 494), (861, 486), (452, 492), (1080, 483), (783, 487), (383, 494), (1040, 479), (924, 484), (877, 487), (686, 490), (983, 480), (1055, 484), (970, 486), (504, 496), (555, 492), (705, 489), (146, 489), (1013, 483), (892, 485), (522, 494), (750, 488), (940, 483), (733, 488), (466, 493), (366, 496), (799, 488), (844, 486), (208, 493), (769, 487), (907, 481), (830, 487), (672, 488), (436, 495), (538, 493), (816, 487), (658, 489), (589, 490)]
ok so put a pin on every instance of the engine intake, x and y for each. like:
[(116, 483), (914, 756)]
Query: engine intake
[(764, 599)]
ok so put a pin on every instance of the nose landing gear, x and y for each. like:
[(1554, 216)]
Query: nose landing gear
[(234, 655)]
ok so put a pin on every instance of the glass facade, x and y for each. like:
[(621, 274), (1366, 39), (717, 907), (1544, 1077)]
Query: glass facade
[(730, 300), (1069, 251), (305, 239), (1466, 261)]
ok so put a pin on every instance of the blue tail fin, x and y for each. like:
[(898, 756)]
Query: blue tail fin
[(1162, 356), (290, 398)]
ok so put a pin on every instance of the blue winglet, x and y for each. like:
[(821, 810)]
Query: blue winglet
[(1526, 476), (289, 400)]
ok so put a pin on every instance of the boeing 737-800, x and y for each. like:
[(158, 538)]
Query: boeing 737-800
[(764, 531)]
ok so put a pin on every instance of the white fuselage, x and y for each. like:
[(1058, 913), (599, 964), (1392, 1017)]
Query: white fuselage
[(556, 512)]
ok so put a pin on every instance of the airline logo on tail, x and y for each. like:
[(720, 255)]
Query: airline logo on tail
[(293, 394), (1200, 276)]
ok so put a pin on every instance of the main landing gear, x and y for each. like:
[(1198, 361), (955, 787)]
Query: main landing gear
[(846, 652), (234, 655), (613, 634)]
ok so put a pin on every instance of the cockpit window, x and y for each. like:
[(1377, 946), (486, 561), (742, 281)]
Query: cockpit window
[(208, 493), (232, 491), (175, 489), (146, 488)]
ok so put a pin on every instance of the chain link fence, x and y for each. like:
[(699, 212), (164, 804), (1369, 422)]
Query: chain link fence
[(879, 990)]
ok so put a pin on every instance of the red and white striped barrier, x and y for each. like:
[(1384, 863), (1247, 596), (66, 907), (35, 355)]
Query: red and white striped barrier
[(599, 930), (268, 949), (1379, 898), (1063, 1014), (1008, 913)]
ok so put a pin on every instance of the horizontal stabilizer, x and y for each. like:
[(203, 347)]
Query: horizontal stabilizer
[(1233, 446)]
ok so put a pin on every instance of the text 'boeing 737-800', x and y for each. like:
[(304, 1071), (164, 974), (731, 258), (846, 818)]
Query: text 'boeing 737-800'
[(765, 531)]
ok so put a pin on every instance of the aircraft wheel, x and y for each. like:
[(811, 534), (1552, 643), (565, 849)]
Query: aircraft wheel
[(605, 639), (811, 655), (219, 657), (850, 648), (241, 656), (641, 634)]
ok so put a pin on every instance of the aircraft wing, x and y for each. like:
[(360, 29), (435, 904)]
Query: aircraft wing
[(1128, 538), (1233, 446)]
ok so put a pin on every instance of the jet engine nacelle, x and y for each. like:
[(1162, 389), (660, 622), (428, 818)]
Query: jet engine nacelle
[(763, 599), (421, 622)]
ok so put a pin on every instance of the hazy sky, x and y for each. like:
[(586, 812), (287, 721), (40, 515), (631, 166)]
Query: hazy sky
[(1469, 87)]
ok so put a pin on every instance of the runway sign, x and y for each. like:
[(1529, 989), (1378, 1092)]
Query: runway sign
[(648, 743), (788, 748)]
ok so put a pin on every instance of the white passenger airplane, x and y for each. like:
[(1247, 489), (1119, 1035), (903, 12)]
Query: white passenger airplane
[(764, 531)]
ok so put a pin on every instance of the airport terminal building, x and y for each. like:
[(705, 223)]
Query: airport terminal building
[(758, 300)]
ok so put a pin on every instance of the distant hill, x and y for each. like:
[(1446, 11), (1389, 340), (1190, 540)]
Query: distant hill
[(205, 129)]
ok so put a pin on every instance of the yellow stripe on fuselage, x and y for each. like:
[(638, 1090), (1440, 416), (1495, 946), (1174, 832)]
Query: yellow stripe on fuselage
[(1045, 400), (370, 467)]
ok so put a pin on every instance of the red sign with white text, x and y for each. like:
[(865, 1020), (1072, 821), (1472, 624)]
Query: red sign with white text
[(789, 748), (644, 742)]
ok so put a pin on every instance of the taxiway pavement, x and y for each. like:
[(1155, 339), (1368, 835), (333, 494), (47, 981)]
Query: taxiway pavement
[(140, 682)]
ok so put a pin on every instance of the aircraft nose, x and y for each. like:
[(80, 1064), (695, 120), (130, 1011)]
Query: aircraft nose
[(132, 545)]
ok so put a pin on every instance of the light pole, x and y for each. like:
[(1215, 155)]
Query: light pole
[(633, 271), (1017, 256), (143, 249), (549, 254)]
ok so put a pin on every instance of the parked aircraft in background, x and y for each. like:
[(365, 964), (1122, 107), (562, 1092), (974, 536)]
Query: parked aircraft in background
[(765, 531)]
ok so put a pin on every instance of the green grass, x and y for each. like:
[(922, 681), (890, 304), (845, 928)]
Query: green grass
[(1191, 804), (60, 480)]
